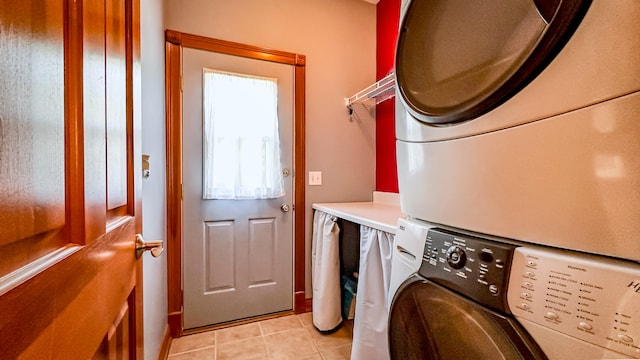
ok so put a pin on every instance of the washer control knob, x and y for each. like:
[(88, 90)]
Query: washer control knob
[(456, 257), (494, 290)]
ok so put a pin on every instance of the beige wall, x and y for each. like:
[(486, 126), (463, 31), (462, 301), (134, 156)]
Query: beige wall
[(338, 38)]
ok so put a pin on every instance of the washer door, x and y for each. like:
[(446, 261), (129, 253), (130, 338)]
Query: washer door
[(428, 321), (458, 59)]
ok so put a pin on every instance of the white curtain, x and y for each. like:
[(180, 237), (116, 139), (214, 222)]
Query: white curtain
[(241, 141), (325, 272), (370, 323)]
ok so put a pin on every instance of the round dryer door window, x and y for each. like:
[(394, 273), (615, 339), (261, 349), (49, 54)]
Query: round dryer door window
[(458, 59)]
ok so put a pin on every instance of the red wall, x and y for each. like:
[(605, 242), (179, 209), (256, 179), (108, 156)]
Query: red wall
[(387, 18)]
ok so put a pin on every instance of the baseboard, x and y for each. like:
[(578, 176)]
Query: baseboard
[(166, 344), (302, 304), (175, 324), (299, 303)]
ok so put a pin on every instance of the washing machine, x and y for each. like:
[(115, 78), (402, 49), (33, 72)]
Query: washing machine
[(519, 119), (473, 296), (406, 255)]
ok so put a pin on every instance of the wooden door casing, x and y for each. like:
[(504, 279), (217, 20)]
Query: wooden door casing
[(175, 41), (64, 299)]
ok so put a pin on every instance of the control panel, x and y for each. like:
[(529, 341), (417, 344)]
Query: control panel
[(595, 299), (474, 267)]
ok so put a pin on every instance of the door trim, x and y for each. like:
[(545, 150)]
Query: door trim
[(174, 43)]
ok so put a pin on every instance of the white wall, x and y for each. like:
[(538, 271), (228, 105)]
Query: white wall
[(153, 188), (338, 38)]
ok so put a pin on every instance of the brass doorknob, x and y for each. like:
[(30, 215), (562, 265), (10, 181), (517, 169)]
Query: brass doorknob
[(155, 246)]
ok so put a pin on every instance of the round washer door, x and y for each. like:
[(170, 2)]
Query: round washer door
[(429, 322), (458, 59)]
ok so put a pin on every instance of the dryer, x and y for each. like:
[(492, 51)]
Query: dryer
[(519, 119)]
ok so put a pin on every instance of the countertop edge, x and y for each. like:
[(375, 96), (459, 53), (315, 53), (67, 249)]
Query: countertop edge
[(379, 216)]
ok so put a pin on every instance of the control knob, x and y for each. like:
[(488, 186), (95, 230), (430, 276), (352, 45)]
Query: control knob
[(456, 257)]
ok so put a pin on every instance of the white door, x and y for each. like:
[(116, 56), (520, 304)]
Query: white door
[(238, 254)]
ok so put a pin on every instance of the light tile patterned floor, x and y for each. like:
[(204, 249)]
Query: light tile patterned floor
[(288, 337)]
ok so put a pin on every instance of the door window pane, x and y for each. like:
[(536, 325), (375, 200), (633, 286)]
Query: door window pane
[(241, 141)]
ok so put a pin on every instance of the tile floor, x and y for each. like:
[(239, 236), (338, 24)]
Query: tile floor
[(288, 337)]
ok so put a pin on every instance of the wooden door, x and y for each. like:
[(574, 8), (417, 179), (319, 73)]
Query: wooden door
[(238, 252), (70, 283)]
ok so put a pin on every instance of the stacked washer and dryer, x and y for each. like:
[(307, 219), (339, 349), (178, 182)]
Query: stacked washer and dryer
[(518, 127)]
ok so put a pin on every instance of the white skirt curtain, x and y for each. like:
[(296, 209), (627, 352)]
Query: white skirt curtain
[(325, 272), (370, 323)]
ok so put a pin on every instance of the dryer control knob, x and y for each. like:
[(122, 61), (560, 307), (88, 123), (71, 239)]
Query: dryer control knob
[(456, 257)]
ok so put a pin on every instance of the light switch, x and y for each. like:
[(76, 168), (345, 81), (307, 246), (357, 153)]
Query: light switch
[(315, 178)]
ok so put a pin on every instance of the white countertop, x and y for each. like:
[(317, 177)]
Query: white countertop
[(377, 215)]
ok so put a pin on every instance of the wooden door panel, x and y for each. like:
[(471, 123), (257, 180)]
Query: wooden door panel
[(74, 302), (118, 338), (32, 202), (71, 277), (116, 86), (94, 117)]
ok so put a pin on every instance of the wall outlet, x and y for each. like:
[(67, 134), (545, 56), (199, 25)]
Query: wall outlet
[(315, 178)]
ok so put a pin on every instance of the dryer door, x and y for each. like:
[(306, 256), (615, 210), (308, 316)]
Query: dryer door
[(429, 322), (458, 59)]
